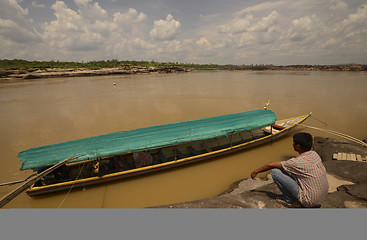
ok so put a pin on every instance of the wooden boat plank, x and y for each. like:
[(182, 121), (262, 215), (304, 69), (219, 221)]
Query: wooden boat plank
[(206, 147), (192, 150), (162, 156), (236, 139), (257, 133), (178, 153), (245, 135), (156, 159)]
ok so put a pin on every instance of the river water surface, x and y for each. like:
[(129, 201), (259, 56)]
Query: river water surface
[(46, 111)]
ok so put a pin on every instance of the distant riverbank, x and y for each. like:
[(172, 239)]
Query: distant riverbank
[(23, 69), (348, 67), (81, 72), (34, 73)]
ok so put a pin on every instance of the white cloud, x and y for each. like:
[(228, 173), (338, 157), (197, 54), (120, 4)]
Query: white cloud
[(37, 4), (249, 23), (91, 11), (338, 5), (302, 28), (204, 43), (351, 33), (87, 29), (348, 29), (131, 16), (66, 30), (82, 2), (14, 25), (265, 23), (262, 32), (237, 25), (130, 22), (11, 9), (16, 32), (90, 29), (166, 29), (138, 43), (265, 6), (356, 20)]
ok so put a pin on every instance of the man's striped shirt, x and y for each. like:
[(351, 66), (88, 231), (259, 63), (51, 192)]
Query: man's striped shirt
[(307, 169)]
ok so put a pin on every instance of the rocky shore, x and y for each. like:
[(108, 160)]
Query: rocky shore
[(262, 67), (60, 72), (34, 73), (347, 180)]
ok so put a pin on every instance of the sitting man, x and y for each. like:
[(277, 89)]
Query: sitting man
[(302, 179)]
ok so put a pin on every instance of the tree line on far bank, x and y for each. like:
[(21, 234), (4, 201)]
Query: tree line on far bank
[(24, 64)]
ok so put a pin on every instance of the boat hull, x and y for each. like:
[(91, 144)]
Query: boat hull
[(288, 126)]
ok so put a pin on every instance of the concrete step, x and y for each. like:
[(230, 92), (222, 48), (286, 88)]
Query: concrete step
[(349, 157)]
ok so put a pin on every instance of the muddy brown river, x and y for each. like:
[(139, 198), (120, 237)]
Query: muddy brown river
[(46, 111)]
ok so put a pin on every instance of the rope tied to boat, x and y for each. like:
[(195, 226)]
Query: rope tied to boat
[(7, 198), (342, 135), (81, 169), (312, 116)]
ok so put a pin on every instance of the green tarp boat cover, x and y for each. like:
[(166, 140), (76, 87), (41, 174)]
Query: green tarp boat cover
[(145, 138)]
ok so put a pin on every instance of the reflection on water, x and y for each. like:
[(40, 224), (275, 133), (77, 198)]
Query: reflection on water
[(47, 111)]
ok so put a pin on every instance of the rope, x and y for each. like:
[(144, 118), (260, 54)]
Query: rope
[(328, 125), (319, 120), (72, 186), (350, 138)]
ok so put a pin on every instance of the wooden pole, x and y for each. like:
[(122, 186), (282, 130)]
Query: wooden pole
[(12, 183), (19, 181), (10, 196)]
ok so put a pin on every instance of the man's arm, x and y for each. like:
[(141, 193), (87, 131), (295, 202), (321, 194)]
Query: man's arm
[(266, 168)]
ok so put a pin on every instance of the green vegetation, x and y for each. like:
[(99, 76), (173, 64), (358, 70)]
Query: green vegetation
[(24, 64)]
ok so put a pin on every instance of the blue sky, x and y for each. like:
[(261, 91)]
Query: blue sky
[(279, 32)]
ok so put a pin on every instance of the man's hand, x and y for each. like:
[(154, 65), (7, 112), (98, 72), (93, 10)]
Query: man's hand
[(266, 168), (253, 175)]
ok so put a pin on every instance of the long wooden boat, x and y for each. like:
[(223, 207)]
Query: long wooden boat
[(145, 150)]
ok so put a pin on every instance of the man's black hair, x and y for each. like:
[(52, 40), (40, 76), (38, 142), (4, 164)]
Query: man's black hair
[(305, 140)]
